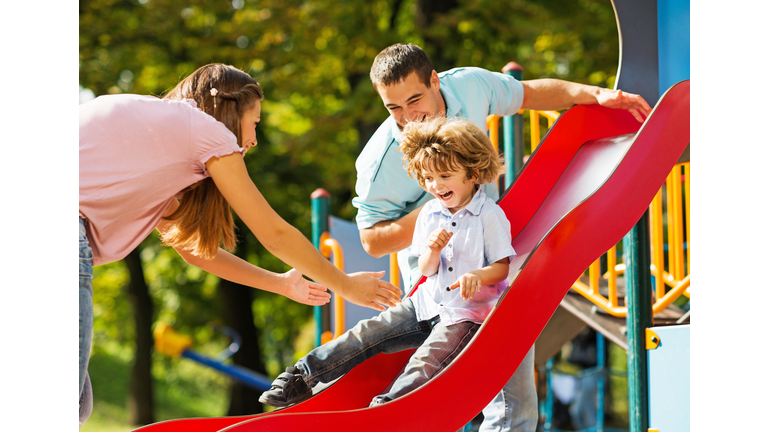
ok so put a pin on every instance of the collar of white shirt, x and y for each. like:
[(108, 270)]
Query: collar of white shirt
[(474, 207)]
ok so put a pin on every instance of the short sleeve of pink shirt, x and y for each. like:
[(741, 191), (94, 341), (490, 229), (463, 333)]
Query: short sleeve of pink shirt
[(136, 154)]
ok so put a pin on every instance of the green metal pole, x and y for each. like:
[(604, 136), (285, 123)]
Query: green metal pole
[(321, 203), (639, 317), (513, 133)]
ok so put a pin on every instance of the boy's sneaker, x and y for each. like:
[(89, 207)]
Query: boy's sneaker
[(287, 389)]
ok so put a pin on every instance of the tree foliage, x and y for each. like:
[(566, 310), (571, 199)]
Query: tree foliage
[(312, 57)]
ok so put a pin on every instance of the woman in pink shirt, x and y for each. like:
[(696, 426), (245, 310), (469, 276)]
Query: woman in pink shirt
[(176, 165)]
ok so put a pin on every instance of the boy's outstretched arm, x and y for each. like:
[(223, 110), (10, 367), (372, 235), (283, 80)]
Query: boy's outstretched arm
[(471, 282)]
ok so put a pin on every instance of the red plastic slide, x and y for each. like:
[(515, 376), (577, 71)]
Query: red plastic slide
[(585, 186)]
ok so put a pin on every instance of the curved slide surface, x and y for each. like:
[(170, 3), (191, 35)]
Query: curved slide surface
[(585, 186)]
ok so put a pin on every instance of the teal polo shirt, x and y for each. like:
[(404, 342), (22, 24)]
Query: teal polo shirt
[(384, 189)]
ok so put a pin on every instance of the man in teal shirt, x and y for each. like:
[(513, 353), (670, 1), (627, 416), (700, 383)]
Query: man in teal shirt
[(389, 201)]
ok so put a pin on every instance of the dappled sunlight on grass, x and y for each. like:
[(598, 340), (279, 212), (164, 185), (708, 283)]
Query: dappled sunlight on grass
[(182, 389)]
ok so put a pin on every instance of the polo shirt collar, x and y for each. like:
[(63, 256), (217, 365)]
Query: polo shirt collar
[(452, 105), (474, 207), (394, 130)]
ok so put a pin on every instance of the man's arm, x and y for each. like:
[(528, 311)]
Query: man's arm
[(388, 237), (552, 94)]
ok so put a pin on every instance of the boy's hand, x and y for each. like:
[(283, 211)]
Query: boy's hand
[(438, 239), (470, 284)]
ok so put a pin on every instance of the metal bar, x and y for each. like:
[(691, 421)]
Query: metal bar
[(639, 317), (320, 214), (672, 295), (600, 421), (492, 124), (245, 376), (613, 298), (513, 133), (677, 211), (535, 131), (328, 247), (394, 271), (687, 166), (598, 299), (550, 401), (672, 225), (657, 243), (594, 277)]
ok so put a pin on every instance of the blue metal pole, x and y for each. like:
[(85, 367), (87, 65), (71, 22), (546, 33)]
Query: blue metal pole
[(320, 213), (246, 376), (550, 404), (513, 133), (600, 382)]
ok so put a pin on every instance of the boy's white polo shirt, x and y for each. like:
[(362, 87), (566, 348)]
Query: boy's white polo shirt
[(481, 236)]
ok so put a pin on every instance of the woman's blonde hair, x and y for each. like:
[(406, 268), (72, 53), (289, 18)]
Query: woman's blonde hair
[(449, 145), (203, 220)]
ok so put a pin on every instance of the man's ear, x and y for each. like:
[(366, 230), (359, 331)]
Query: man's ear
[(434, 81)]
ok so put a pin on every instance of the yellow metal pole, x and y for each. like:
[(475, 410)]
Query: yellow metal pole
[(671, 224), (598, 300), (535, 134), (394, 270), (594, 277), (672, 295), (657, 243), (611, 274), (687, 166), (492, 123), (678, 211)]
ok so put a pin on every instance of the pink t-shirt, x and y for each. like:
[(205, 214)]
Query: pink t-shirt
[(136, 154)]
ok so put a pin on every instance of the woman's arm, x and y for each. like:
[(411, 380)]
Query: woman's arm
[(287, 243), (225, 265)]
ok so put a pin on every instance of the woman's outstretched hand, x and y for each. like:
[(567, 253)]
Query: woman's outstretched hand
[(304, 291), (368, 290)]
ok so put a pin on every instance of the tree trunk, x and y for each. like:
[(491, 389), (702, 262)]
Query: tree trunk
[(238, 300), (140, 400)]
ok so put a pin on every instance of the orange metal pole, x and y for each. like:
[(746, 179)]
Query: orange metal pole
[(331, 246), (394, 270)]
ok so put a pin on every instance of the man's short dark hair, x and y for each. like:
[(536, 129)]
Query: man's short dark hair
[(396, 62)]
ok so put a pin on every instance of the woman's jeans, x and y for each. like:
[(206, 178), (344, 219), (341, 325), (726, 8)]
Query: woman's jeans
[(395, 329), (86, 304)]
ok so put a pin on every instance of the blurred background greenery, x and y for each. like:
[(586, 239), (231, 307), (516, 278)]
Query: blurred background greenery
[(312, 58)]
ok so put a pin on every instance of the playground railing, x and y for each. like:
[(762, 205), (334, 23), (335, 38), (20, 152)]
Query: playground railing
[(671, 274), (669, 213)]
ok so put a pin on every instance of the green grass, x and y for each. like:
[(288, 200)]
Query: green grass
[(183, 389)]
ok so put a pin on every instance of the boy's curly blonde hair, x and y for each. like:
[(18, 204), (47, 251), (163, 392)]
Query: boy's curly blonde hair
[(449, 145)]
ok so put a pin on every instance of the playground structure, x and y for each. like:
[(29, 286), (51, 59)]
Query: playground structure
[(565, 199)]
